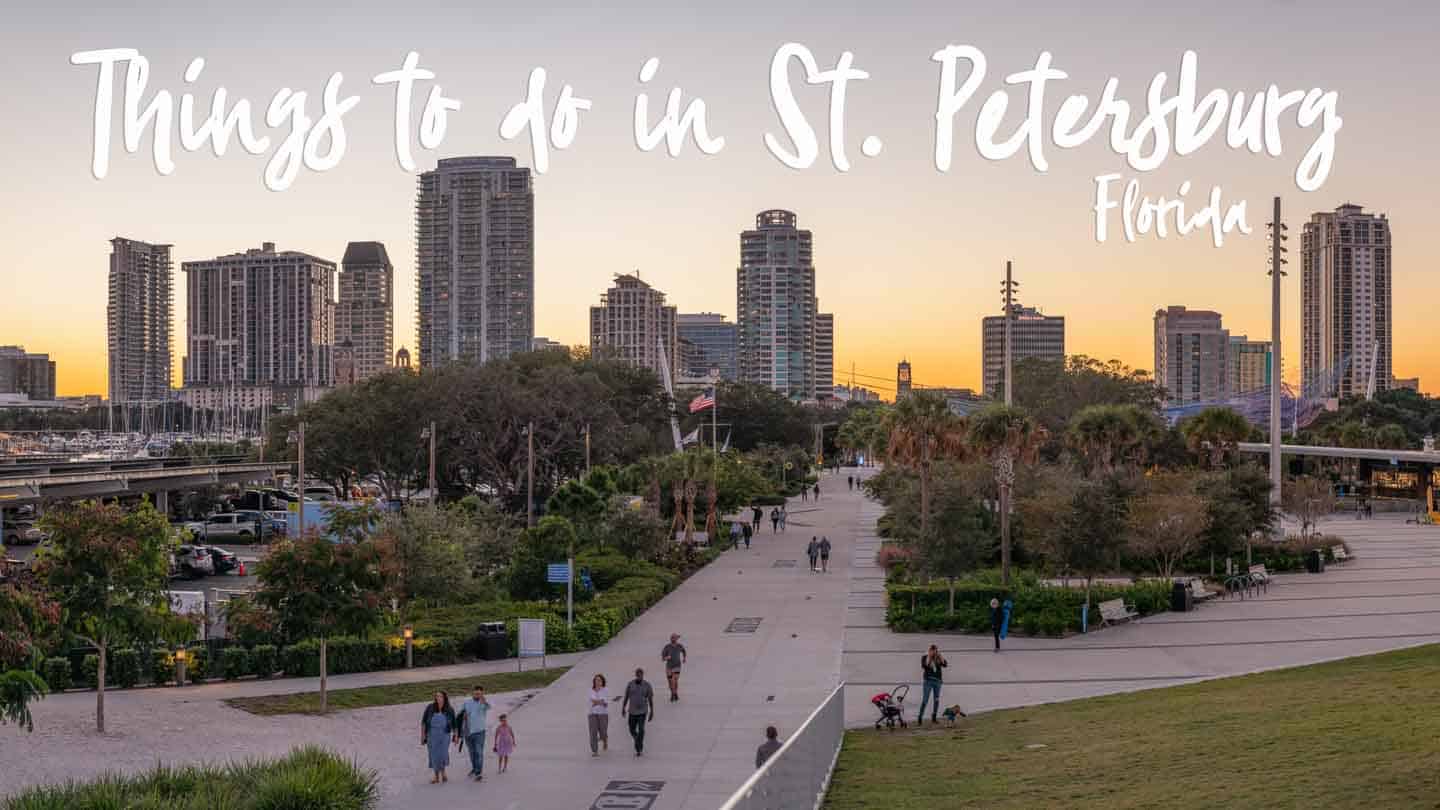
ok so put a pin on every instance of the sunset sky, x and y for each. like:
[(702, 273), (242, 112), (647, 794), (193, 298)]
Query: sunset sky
[(909, 259)]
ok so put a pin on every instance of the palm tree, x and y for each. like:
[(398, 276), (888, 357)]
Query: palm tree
[(922, 430), (1006, 435), (1215, 434), (1108, 437), (1392, 437)]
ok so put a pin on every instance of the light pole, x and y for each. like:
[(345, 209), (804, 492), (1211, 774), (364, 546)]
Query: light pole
[(1008, 288), (429, 433), (587, 449), (299, 437), (1277, 261), (409, 634), (530, 474), (180, 667)]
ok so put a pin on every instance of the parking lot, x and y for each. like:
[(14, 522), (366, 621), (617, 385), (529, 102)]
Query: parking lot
[(248, 554)]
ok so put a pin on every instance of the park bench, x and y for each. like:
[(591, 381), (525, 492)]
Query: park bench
[(1198, 591), (1339, 553), (1114, 611), (1260, 576)]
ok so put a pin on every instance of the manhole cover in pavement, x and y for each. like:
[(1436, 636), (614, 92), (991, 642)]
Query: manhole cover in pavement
[(743, 624), (785, 563)]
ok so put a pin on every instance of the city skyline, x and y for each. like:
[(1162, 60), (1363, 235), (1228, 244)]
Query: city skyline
[(911, 257)]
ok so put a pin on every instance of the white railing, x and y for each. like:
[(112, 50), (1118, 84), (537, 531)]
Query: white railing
[(797, 776)]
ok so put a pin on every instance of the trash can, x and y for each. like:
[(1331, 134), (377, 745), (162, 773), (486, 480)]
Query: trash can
[(493, 641), (1181, 601), (1315, 561)]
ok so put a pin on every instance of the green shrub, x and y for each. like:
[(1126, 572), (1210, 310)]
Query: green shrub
[(56, 672), (1038, 609), (89, 671), (162, 666), (264, 660), (123, 668), (235, 663), (301, 660), (197, 664), (307, 778)]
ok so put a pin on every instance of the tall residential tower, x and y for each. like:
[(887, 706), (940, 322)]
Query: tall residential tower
[(364, 311), (1032, 334), (475, 260), (1345, 293), (1191, 349), (633, 324), (776, 307), (138, 321)]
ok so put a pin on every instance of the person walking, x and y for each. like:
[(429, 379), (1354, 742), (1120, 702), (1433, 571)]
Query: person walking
[(931, 664), (437, 725), (812, 550), (768, 748), (784, 516), (774, 520), (674, 657), (817, 491), (639, 701), (598, 716), (804, 494), (850, 482), (758, 516), (745, 530), (473, 715), (997, 618), (504, 742), (734, 535), (824, 555)]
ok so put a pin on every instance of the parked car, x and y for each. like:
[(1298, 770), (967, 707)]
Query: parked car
[(221, 560), (242, 526), (280, 521), (192, 562), (22, 533)]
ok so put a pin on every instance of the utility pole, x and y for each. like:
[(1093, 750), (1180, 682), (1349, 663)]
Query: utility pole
[(431, 435), (587, 449), (530, 475), (1009, 290), (1277, 262), (300, 520)]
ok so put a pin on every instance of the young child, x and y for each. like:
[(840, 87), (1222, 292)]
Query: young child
[(504, 741)]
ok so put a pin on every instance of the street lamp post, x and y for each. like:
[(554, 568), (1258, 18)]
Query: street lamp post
[(180, 667), (429, 433), (1277, 261), (1008, 289), (409, 634), (530, 474)]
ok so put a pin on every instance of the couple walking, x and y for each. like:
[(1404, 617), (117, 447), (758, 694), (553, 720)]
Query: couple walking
[(819, 553), (638, 705)]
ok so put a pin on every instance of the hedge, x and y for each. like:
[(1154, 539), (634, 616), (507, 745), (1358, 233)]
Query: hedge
[(162, 666), (1038, 609), (235, 663), (122, 668), (56, 672), (264, 661)]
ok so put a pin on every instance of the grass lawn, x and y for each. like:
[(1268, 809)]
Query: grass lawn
[(1364, 732), (391, 694)]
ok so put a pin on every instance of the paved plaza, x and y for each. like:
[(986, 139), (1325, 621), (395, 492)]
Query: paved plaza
[(813, 630)]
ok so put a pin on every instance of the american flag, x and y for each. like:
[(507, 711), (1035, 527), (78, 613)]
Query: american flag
[(703, 401)]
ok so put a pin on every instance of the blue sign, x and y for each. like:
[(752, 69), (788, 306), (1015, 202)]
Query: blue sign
[(557, 572)]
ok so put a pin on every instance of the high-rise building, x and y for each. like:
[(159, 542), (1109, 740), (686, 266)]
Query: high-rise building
[(364, 311), (1247, 365), (824, 355), (1412, 383), (27, 375), (1190, 355), (138, 321), (260, 329), (633, 324), (1032, 334), (707, 342), (475, 260), (545, 344), (1345, 337), (776, 306), (903, 382), (402, 358)]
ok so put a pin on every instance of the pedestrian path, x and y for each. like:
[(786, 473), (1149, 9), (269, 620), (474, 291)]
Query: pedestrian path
[(1385, 598)]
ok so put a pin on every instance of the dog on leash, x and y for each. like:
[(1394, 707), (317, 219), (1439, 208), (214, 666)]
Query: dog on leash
[(952, 713)]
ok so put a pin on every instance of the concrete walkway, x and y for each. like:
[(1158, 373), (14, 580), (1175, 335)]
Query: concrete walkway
[(1387, 597), (698, 751)]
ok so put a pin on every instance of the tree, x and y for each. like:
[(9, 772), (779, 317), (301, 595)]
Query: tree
[(922, 430), (1391, 437), (1095, 528), (319, 589), (551, 541), (1215, 433), (1308, 499), (424, 551), (1237, 505), (108, 569), (632, 527), (1005, 435), (1109, 438), (963, 541), (1166, 520), (1054, 391), (756, 415), (863, 430), (1044, 515), (27, 619)]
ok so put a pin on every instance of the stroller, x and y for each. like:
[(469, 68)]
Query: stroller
[(891, 706)]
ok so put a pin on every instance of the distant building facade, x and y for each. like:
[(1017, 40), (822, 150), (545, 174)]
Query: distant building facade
[(633, 323), (707, 341), (26, 375), (544, 344), (138, 319), (1346, 298), (475, 260), (260, 329), (776, 306), (903, 382), (1247, 365), (1412, 383), (1190, 355), (1032, 334), (824, 355), (845, 393), (364, 311)]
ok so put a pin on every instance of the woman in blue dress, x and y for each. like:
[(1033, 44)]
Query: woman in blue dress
[(437, 726)]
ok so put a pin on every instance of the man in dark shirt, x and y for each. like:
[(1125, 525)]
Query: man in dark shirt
[(639, 701), (768, 748), (931, 665), (674, 656)]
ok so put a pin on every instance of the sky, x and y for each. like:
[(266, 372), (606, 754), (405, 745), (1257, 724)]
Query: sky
[(908, 258)]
